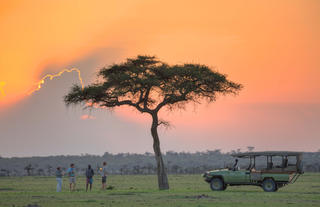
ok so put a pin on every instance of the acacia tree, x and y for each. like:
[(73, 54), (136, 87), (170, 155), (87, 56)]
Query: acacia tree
[(148, 85)]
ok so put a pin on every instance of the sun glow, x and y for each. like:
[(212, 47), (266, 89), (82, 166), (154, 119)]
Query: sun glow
[(2, 93), (52, 76)]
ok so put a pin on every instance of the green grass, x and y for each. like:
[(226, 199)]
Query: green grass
[(141, 190)]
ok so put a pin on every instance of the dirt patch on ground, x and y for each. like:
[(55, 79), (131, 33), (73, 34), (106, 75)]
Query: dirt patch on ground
[(202, 196), (6, 189)]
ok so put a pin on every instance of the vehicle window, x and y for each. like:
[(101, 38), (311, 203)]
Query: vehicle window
[(261, 163), (244, 163), (292, 161), (277, 161)]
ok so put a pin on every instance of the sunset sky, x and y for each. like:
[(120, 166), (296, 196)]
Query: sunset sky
[(272, 47)]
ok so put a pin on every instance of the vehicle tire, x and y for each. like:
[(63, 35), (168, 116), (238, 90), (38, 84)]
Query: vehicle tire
[(269, 185), (224, 186), (217, 184)]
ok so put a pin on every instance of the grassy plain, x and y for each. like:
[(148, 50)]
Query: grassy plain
[(141, 190)]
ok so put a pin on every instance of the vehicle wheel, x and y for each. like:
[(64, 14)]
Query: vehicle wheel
[(217, 184), (224, 186), (269, 185)]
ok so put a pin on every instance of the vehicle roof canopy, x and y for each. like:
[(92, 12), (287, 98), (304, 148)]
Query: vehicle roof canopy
[(266, 153)]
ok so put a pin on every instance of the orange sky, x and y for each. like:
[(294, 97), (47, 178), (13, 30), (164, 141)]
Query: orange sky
[(271, 47)]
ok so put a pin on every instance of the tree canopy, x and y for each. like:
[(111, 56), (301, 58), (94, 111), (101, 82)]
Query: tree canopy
[(148, 84)]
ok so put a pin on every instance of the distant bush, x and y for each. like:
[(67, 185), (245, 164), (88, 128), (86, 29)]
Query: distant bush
[(132, 163)]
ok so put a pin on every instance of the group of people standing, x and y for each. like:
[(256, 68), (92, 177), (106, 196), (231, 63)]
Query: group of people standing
[(71, 172)]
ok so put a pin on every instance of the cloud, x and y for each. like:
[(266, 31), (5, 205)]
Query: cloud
[(87, 117), (41, 124)]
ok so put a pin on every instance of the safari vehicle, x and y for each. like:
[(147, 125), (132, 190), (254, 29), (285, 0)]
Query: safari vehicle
[(270, 177)]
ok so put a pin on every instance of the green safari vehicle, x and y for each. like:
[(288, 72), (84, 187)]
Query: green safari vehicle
[(271, 177)]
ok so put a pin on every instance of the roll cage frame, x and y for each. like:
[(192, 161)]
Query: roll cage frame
[(296, 169)]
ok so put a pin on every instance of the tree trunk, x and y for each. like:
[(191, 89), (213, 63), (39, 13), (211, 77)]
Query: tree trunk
[(161, 171)]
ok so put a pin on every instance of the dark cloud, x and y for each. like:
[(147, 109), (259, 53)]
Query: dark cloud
[(41, 124)]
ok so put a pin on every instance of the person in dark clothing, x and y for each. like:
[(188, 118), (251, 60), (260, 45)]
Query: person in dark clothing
[(235, 166), (89, 175)]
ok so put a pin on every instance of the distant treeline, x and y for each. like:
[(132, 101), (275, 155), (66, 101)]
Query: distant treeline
[(131, 163)]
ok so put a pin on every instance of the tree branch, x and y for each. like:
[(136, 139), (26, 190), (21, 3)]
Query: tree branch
[(171, 99), (146, 97), (166, 124)]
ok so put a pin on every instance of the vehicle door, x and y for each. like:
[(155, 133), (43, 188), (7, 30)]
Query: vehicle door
[(255, 176), (238, 176)]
